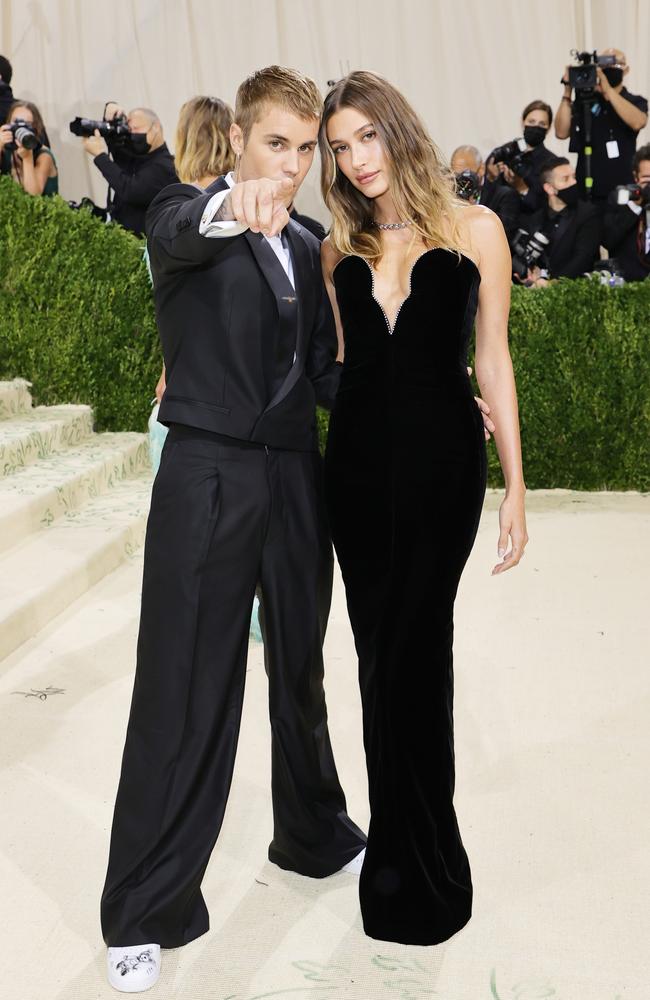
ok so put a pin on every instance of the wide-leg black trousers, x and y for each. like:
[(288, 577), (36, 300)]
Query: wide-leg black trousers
[(226, 518)]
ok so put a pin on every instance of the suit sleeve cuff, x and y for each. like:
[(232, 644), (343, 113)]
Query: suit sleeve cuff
[(633, 207), (222, 228)]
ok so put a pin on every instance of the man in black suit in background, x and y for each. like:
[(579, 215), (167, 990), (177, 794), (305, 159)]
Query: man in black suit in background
[(499, 196), (136, 169), (626, 227), (572, 226), (250, 347)]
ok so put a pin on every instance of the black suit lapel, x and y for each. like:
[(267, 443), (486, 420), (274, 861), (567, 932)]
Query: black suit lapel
[(286, 298), (304, 279)]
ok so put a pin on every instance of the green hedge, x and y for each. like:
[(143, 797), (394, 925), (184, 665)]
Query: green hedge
[(76, 319), (77, 316)]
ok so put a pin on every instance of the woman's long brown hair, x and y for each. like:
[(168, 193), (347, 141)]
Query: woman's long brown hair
[(421, 183)]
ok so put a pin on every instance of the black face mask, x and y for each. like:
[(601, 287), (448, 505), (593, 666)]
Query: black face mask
[(534, 135), (569, 195), (136, 144), (614, 75)]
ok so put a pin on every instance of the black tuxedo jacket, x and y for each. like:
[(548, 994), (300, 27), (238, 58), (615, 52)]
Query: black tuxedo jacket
[(504, 202), (575, 239), (230, 323), (623, 235)]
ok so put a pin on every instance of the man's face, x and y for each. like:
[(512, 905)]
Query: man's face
[(562, 177), (621, 59), (280, 145), (465, 161), (141, 124), (642, 176)]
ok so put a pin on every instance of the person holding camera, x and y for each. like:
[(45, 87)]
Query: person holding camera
[(139, 165), (469, 169), (23, 151), (519, 163), (626, 227), (617, 117), (571, 226)]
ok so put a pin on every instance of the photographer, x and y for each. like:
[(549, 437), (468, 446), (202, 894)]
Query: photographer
[(617, 116), (572, 226), (140, 167), (626, 227), (519, 163), (467, 164), (23, 152), (6, 94)]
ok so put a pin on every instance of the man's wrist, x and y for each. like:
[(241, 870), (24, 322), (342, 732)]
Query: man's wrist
[(224, 213)]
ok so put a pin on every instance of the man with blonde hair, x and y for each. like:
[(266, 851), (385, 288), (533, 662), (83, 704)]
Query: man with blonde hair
[(250, 347)]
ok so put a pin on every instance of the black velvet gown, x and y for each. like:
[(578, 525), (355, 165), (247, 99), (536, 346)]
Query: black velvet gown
[(405, 481)]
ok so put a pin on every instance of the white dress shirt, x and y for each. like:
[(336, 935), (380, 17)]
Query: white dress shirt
[(209, 227)]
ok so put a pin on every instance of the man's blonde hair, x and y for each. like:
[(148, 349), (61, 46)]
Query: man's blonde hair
[(276, 85)]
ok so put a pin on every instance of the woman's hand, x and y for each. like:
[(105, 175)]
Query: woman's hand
[(512, 526), (6, 135), (24, 154), (488, 425), (161, 386)]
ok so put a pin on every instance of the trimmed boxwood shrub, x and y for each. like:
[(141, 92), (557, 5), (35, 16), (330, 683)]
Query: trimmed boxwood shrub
[(77, 320)]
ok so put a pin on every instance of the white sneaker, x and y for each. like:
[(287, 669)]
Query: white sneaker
[(135, 968), (354, 867)]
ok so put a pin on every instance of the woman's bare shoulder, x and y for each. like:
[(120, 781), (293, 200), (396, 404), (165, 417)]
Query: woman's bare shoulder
[(480, 229)]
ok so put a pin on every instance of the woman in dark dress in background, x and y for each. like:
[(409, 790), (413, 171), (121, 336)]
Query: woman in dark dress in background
[(408, 268)]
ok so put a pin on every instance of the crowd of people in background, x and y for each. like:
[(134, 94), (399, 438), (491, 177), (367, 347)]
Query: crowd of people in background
[(559, 221)]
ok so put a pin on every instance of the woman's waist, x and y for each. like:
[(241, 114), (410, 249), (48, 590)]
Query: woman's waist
[(391, 379)]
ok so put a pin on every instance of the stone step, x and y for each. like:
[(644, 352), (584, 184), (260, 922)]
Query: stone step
[(43, 431), (36, 495), (15, 398), (45, 572)]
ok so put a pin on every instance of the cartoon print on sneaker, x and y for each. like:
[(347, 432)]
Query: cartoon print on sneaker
[(131, 962)]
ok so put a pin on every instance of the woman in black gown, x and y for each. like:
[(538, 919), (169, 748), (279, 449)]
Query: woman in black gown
[(409, 268)]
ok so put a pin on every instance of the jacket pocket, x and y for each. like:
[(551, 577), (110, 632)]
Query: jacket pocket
[(198, 402)]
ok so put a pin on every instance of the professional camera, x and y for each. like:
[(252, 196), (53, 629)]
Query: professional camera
[(527, 250), (115, 131), (468, 185), (89, 205), (24, 135), (633, 192), (584, 77), (510, 152)]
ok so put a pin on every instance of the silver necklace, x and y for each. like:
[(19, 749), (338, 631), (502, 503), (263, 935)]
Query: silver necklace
[(390, 225)]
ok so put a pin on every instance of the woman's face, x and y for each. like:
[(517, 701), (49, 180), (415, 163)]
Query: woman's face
[(21, 114), (358, 151), (536, 118)]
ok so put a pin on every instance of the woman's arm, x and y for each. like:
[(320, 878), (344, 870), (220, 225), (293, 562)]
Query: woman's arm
[(329, 259), (34, 175), (495, 375)]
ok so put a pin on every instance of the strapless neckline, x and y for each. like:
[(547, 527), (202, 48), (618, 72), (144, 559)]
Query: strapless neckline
[(425, 253)]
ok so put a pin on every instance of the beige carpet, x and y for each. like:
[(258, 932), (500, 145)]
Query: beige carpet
[(552, 735)]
